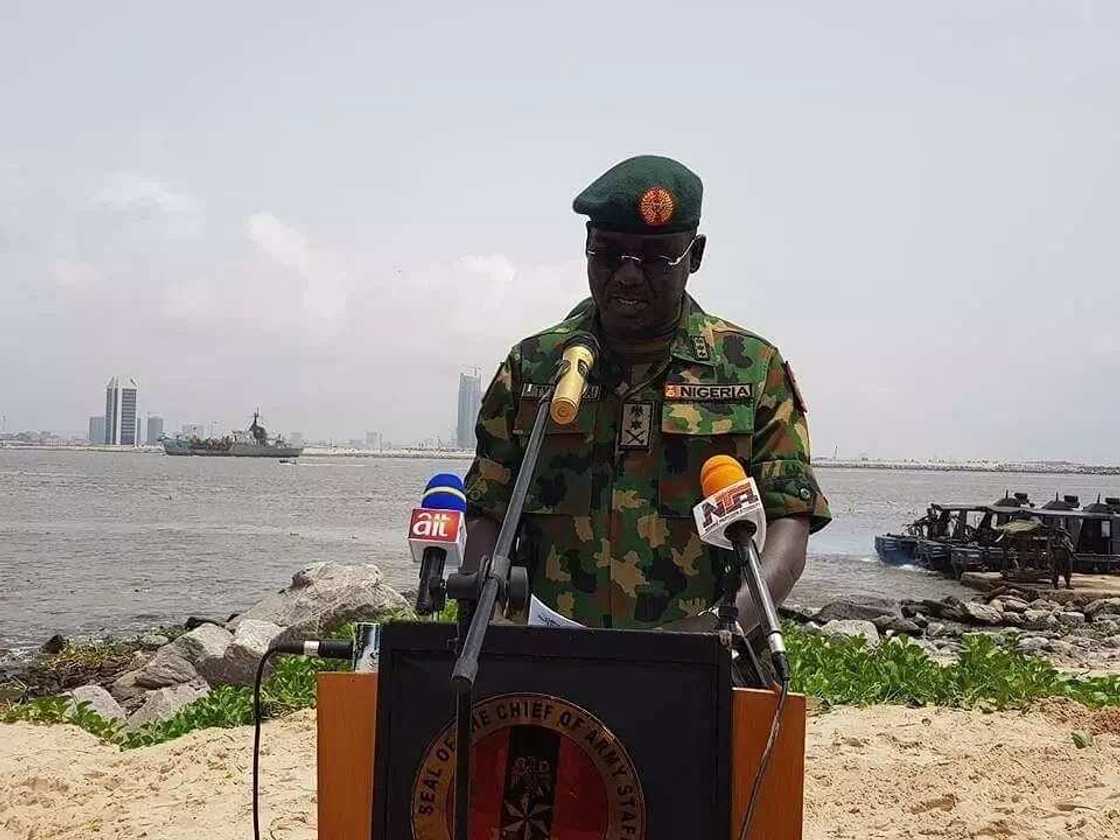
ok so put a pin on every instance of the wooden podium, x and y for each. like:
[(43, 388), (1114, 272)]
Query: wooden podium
[(348, 713)]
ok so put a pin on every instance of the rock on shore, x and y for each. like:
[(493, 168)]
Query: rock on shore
[(162, 676), (324, 596), (1077, 633)]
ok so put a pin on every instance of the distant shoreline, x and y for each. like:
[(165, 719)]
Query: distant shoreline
[(1031, 467), (1028, 467)]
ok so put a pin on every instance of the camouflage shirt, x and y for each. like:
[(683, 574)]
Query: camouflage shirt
[(607, 533)]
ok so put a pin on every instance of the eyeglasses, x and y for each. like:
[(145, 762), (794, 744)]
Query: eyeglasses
[(653, 266)]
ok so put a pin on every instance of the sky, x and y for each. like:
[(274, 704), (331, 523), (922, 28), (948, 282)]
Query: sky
[(330, 210)]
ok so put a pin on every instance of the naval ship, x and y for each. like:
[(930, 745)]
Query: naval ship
[(251, 443)]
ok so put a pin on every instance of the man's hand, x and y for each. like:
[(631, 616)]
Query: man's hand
[(783, 562)]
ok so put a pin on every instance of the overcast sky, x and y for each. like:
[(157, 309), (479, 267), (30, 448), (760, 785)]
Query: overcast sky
[(329, 210)]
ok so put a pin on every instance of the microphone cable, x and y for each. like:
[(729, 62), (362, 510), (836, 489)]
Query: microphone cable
[(781, 665), (323, 650)]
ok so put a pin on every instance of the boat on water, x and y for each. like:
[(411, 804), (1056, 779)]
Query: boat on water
[(254, 442), (949, 526), (897, 549), (980, 547), (1011, 536)]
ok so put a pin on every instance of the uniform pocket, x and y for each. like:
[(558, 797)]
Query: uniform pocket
[(562, 482), (690, 434)]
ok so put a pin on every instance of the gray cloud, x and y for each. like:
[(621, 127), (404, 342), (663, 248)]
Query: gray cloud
[(332, 215)]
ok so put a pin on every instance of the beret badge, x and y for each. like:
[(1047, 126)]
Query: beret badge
[(656, 206)]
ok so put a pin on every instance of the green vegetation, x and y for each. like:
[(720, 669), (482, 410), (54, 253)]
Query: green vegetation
[(989, 675)]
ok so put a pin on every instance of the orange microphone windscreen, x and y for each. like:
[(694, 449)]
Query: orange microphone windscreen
[(720, 471)]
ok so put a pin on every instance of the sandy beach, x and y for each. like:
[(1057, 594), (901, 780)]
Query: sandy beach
[(883, 772)]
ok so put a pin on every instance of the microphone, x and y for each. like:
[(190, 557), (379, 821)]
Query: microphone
[(731, 516), (437, 533), (730, 497), (580, 354)]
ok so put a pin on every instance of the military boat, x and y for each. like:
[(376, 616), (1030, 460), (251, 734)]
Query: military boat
[(254, 442), (1011, 536)]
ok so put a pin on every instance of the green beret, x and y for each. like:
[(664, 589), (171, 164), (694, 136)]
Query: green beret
[(645, 194)]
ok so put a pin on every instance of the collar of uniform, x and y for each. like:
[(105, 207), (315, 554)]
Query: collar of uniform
[(690, 331), (690, 334)]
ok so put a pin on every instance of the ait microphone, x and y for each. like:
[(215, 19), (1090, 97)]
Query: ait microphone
[(731, 516), (437, 534), (580, 353)]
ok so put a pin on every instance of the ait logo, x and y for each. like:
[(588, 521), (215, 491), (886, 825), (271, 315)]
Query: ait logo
[(656, 206), (542, 769)]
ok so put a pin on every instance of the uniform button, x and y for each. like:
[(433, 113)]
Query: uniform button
[(805, 494)]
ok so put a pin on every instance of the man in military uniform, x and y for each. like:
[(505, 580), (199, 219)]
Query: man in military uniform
[(607, 534)]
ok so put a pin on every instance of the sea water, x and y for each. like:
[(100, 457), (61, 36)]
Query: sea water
[(101, 543)]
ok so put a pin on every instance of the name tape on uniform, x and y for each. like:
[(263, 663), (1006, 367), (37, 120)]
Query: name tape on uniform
[(708, 393), (536, 390)]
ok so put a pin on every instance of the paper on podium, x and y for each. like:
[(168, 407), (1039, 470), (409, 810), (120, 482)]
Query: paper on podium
[(542, 616)]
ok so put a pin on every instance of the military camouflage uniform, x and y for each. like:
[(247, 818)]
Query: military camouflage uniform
[(607, 534)]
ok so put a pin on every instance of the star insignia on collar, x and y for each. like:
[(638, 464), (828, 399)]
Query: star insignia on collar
[(700, 348)]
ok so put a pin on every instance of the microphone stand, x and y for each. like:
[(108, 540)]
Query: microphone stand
[(746, 672), (478, 594), (748, 565)]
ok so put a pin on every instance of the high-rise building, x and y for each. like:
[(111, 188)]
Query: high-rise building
[(155, 430), (97, 429), (120, 412), (470, 399)]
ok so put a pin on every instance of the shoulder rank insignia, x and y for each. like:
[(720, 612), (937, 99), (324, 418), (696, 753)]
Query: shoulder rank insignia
[(634, 430), (708, 393), (700, 348), (797, 398)]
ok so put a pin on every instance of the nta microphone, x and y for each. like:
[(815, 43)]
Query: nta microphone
[(731, 516), (580, 354), (730, 497), (437, 534)]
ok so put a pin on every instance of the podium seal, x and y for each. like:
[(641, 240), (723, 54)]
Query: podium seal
[(542, 769)]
